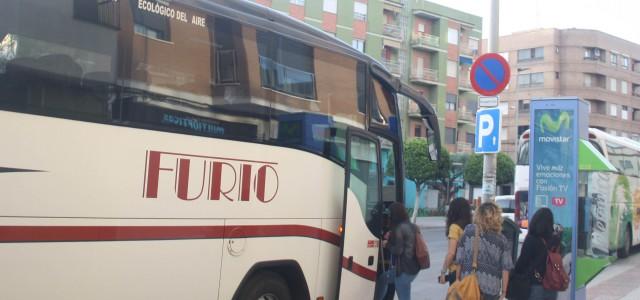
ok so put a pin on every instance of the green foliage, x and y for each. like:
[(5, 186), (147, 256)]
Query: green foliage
[(473, 170), (504, 172), (418, 167), (506, 169)]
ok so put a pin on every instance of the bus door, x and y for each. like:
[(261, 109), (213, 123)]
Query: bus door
[(362, 217)]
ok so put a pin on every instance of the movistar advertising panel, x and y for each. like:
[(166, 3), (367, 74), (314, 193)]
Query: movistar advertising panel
[(556, 128)]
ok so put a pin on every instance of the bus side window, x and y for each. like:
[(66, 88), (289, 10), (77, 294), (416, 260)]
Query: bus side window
[(383, 109), (389, 173)]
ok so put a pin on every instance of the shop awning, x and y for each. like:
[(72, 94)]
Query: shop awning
[(591, 160)]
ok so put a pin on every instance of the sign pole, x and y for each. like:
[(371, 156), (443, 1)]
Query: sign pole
[(489, 165)]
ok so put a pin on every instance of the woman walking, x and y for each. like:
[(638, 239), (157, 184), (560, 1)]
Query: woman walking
[(533, 258), (458, 217), (494, 252), (402, 245)]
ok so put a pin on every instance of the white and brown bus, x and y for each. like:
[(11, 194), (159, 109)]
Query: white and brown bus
[(191, 150)]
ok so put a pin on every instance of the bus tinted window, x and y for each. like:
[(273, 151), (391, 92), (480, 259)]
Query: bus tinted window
[(122, 64), (523, 153)]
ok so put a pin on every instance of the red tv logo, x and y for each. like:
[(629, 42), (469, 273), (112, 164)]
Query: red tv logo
[(187, 176), (559, 201)]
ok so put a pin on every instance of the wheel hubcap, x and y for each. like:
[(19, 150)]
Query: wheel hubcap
[(268, 297)]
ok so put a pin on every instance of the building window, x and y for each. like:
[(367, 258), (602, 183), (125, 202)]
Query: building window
[(452, 36), (594, 54), (623, 87), (625, 62), (450, 136), (625, 113), (359, 11), (149, 24), (523, 106), (614, 59), (105, 12), (421, 27), (613, 84), (530, 54), (297, 2), (286, 65), (474, 45), (330, 6), (452, 68), (531, 80), (358, 45), (452, 101), (417, 131), (471, 139), (613, 110)]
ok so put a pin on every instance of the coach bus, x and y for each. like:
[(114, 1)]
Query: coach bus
[(191, 150), (609, 207)]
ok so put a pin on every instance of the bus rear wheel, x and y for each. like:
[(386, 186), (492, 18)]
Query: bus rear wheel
[(624, 251), (265, 285)]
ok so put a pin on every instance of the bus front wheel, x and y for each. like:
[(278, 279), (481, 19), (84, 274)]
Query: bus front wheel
[(626, 247), (265, 285)]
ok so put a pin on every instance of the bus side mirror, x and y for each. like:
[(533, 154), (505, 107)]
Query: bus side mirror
[(432, 139)]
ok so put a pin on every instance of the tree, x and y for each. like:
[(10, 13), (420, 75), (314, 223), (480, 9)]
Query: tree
[(418, 167), (504, 169), (450, 169)]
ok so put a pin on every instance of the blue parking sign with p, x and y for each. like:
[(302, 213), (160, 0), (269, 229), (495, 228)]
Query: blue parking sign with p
[(488, 124)]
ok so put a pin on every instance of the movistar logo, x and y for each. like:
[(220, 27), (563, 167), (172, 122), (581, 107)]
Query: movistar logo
[(554, 126)]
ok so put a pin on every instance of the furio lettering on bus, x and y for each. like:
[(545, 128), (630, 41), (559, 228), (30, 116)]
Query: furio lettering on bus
[(192, 177)]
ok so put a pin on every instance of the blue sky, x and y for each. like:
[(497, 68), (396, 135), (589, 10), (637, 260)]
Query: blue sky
[(617, 17)]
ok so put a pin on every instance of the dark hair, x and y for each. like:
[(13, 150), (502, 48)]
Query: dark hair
[(459, 213), (541, 224), (398, 214)]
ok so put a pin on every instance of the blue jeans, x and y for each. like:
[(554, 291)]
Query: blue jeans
[(403, 286), (539, 293)]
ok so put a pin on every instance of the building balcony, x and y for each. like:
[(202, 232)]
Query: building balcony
[(466, 51), (465, 116), (424, 40), (425, 76), (464, 83), (393, 66), (463, 147), (392, 31)]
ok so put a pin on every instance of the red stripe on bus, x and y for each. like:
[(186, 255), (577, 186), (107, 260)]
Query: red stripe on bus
[(359, 270), (9, 234)]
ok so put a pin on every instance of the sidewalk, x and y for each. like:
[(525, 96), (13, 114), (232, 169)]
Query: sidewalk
[(618, 281), (431, 222)]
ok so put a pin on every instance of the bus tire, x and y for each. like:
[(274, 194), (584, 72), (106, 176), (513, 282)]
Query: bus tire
[(265, 285), (623, 252)]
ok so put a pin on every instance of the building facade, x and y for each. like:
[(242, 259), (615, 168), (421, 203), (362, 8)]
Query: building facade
[(429, 45), (595, 66)]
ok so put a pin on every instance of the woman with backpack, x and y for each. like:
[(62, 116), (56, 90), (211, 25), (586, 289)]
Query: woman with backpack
[(493, 257), (401, 242), (533, 257), (458, 217)]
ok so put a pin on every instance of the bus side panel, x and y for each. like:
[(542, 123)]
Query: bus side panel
[(329, 262), (171, 269), (241, 254), (635, 213)]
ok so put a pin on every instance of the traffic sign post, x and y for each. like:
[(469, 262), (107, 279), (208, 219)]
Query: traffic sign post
[(488, 124), (490, 75)]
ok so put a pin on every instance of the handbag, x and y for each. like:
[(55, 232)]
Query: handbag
[(422, 252), (467, 288), (519, 286), (555, 278)]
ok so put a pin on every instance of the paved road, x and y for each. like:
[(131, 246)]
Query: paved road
[(426, 286)]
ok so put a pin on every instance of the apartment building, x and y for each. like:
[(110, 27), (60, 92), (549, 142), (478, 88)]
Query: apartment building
[(429, 45), (595, 66)]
